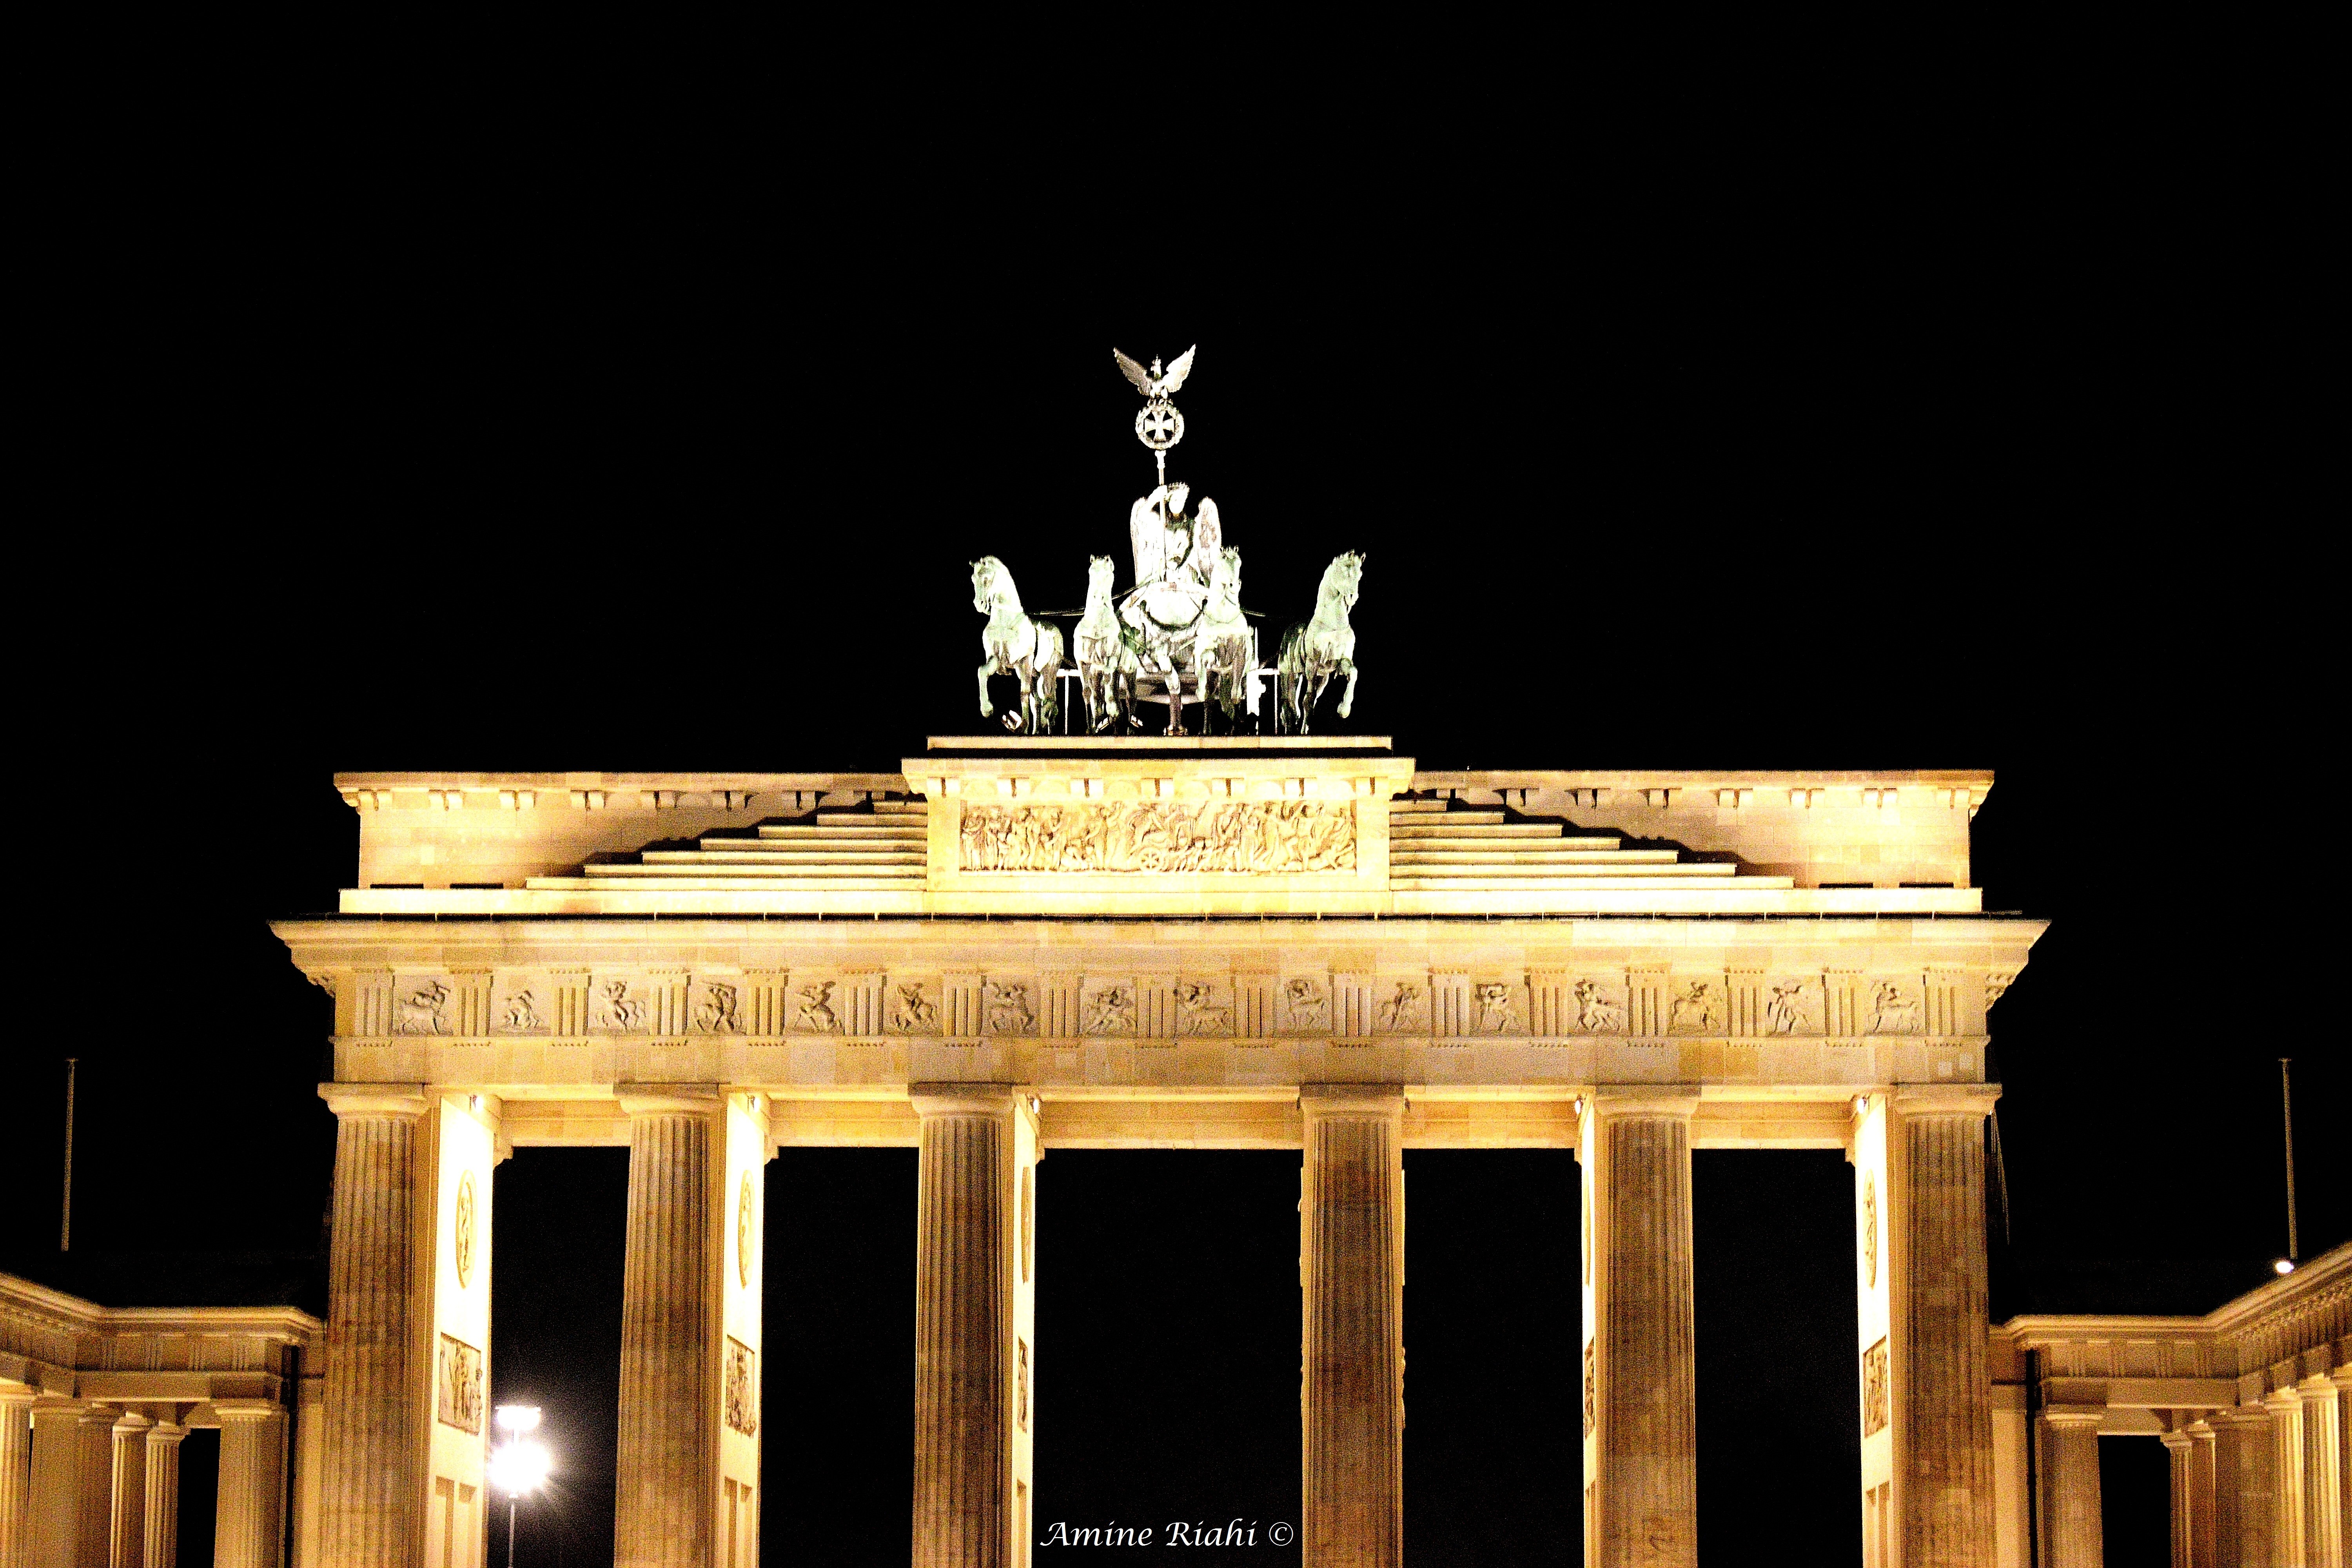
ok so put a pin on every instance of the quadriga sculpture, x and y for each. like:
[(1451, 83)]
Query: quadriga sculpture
[(1109, 660), (1017, 643), (1224, 648), (1314, 651)]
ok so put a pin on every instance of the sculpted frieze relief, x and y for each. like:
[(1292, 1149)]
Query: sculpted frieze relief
[(912, 1009), (1792, 1004), (1305, 1005), (1242, 838), (1109, 1009), (1892, 1007), (423, 1007), (1695, 1007), (1599, 1005), (768, 1005)]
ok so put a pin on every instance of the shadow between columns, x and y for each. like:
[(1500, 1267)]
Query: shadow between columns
[(1779, 1437), (1168, 1335), (1492, 1388)]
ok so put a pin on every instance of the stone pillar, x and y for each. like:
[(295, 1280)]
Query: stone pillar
[(1939, 1381), (973, 1327), (2342, 1378), (689, 1455), (15, 1473), (246, 1522), (126, 1532), (2071, 1523), (1351, 1258), (2179, 1452), (2285, 1407), (1641, 1365), (2323, 1482), (53, 1499), (94, 1485), (161, 1506), (377, 1367), (2204, 1548), (2241, 1487)]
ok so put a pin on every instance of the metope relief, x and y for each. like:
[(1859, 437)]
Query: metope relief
[(912, 1011), (1202, 1008), (1108, 1009), (1009, 1010), (1598, 1007), (518, 1009), (742, 1386), (460, 1384), (813, 1011), (1244, 837), (1306, 1005), (616, 1007), (1893, 1007), (1793, 1006), (423, 1007), (1404, 1008), (1695, 1007), (1494, 1008), (718, 1008)]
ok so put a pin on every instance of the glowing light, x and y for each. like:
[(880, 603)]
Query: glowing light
[(1861, 1105), (517, 1419), (519, 1467), (2282, 1265)]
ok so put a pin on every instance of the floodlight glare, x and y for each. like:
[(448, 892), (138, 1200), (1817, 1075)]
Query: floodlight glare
[(519, 1467), (517, 1418), (2282, 1265)]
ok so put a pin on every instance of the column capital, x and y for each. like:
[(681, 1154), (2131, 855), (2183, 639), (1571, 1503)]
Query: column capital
[(1372, 1100), (669, 1098), (1943, 1098), (406, 1101), (1678, 1101), (2075, 1417), (230, 1410), (2283, 1401), (966, 1098), (2178, 1440), (166, 1432), (131, 1422), (2239, 1415)]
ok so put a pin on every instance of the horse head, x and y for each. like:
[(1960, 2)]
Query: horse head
[(1099, 569), (1344, 576), (986, 572)]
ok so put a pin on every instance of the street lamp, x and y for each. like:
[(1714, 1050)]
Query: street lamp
[(519, 1464)]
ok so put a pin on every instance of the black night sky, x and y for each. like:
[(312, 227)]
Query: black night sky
[(1955, 420)]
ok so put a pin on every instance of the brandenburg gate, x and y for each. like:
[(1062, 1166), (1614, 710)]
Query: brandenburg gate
[(1021, 943)]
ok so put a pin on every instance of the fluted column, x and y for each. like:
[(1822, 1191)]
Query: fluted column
[(2342, 1378), (667, 1478), (245, 1520), (2204, 1548), (1941, 1381), (1351, 1245), (1642, 1364), (162, 1503), (2323, 1483), (95, 1480), (53, 1499), (2241, 1487), (972, 1365), (2285, 1407), (127, 1526), (2071, 1531), (2180, 1454), (15, 1473), (375, 1408)]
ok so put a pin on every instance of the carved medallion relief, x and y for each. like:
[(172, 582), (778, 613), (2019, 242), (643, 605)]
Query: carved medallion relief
[(742, 1388), (459, 1382), (1873, 1389), (462, 1230)]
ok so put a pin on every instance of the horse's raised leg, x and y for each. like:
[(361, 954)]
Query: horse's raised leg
[(1347, 697), (987, 708)]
